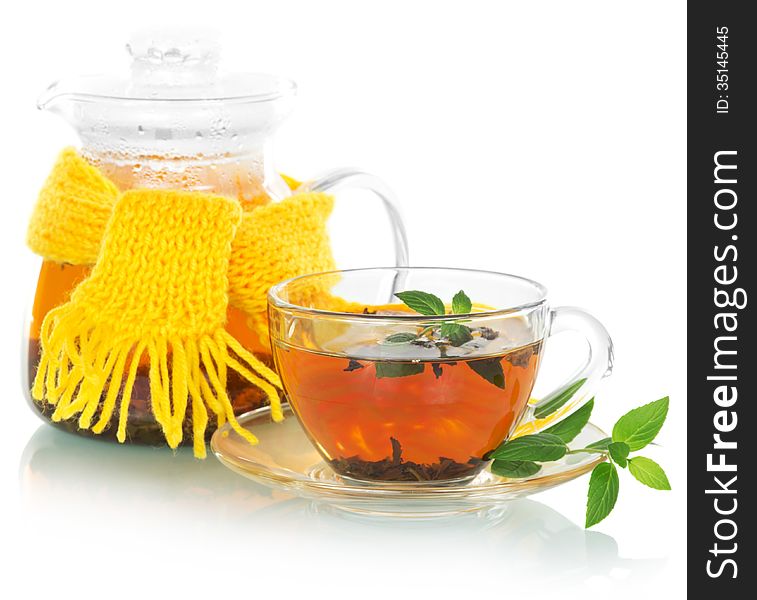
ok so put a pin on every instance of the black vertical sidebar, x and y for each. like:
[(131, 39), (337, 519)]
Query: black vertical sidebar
[(722, 225)]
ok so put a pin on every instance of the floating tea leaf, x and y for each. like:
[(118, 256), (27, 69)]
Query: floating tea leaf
[(490, 369), (522, 357), (397, 369), (489, 334), (399, 338), (456, 334)]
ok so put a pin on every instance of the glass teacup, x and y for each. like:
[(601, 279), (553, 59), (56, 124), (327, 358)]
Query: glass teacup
[(387, 394)]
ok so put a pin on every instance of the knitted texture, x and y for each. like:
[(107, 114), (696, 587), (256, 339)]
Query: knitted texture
[(74, 206), (166, 264), (277, 239)]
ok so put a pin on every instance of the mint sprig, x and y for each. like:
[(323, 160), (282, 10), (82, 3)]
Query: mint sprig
[(604, 486), (448, 333), (422, 302), (569, 428), (648, 472), (461, 304), (520, 457), (515, 469), (539, 447), (441, 336), (640, 426), (558, 399)]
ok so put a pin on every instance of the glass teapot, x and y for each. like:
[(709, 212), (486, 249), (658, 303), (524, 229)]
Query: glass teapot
[(177, 122)]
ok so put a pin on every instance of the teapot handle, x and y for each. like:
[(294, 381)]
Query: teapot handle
[(356, 179)]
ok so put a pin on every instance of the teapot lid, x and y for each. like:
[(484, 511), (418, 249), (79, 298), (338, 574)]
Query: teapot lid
[(174, 92)]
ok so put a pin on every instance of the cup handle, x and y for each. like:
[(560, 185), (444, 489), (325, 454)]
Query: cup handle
[(356, 179), (581, 386)]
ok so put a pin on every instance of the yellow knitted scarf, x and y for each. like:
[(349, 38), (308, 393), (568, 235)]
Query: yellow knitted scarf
[(166, 265)]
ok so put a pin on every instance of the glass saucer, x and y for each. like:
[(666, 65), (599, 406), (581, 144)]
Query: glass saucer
[(284, 459)]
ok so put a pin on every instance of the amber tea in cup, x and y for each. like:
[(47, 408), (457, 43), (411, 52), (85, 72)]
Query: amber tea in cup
[(390, 395)]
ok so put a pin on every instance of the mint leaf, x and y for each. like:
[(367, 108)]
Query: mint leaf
[(603, 493), (461, 304), (641, 425), (490, 369), (456, 334), (648, 472), (571, 426), (397, 369), (619, 453), (399, 338), (515, 469), (540, 447), (602, 444), (422, 302), (558, 399)]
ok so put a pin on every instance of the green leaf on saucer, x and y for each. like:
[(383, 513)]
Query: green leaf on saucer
[(422, 302), (648, 472), (540, 447), (557, 400), (397, 369), (603, 493), (602, 444), (571, 426), (515, 469), (461, 304), (490, 369), (619, 453), (641, 425)]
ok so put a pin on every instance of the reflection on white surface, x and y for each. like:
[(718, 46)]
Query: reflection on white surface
[(129, 489)]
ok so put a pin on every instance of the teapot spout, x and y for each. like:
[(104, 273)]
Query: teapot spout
[(48, 98), (56, 96), (60, 99)]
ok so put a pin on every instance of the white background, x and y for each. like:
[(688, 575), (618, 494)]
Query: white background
[(543, 138)]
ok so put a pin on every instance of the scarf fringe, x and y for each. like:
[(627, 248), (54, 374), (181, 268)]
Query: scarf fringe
[(84, 365)]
